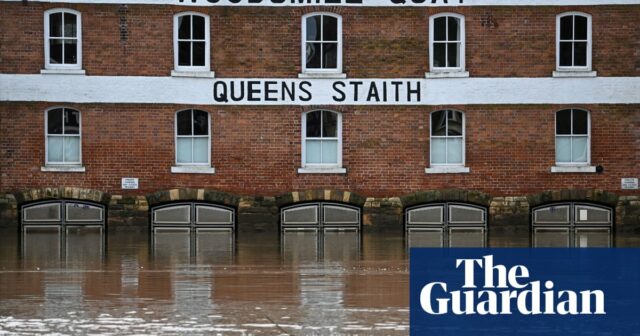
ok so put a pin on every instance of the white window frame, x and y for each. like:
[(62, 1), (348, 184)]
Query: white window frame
[(47, 60), (178, 69), (47, 135), (303, 49), (461, 26), (589, 43), (573, 164), (179, 167), (321, 167), (464, 144)]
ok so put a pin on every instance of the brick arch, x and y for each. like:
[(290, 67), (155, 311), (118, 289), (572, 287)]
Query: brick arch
[(332, 195), (190, 194), (73, 193), (564, 195), (446, 195)]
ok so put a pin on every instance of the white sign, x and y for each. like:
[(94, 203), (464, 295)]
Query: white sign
[(629, 183), (129, 183)]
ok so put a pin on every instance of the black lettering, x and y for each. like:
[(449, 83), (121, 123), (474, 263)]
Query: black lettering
[(291, 91), (384, 91), (399, 2), (235, 1), (220, 92), (354, 2), (255, 1), (445, 1), (355, 89), (277, 1), (335, 88), (302, 88), (233, 89), (209, 1), (373, 92), (332, 1), (253, 90), (268, 90), (397, 91), (415, 91)]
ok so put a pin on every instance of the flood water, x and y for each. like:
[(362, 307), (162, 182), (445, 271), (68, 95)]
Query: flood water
[(84, 281)]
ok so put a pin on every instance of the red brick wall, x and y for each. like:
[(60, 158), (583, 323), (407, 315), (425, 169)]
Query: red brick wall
[(378, 42), (256, 151)]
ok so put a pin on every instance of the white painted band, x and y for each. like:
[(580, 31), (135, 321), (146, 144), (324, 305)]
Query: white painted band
[(349, 3), (200, 91)]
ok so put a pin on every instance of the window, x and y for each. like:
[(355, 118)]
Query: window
[(63, 213), (320, 215), (446, 43), (322, 140), (572, 225), (63, 39), (191, 42), (573, 42), (321, 43), (195, 215), (193, 140), (572, 137), (63, 137), (447, 138), (446, 225)]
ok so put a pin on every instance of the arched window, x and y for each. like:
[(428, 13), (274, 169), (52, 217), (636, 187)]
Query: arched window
[(572, 225), (321, 43), (193, 141), (191, 42), (573, 41), (573, 137), (447, 138), (446, 43), (321, 140), (320, 215), (446, 225), (63, 39), (63, 132)]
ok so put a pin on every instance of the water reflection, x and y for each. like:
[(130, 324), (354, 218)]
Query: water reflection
[(570, 237), (77, 247), (453, 237), (184, 246), (312, 246)]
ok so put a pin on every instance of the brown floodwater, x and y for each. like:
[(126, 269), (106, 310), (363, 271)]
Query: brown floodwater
[(84, 281)]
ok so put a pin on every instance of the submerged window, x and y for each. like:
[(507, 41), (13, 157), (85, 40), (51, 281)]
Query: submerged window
[(320, 215), (572, 137), (446, 42), (191, 42), (446, 225), (63, 137), (573, 42), (63, 39), (321, 139), (193, 215), (447, 138), (193, 139), (63, 213), (321, 43), (572, 225)]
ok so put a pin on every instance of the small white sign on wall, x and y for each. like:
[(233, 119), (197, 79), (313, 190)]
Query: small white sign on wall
[(129, 183), (629, 183)]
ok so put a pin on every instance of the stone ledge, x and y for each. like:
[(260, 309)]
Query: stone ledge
[(75, 193), (563, 195), (190, 194), (332, 195), (446, 195)]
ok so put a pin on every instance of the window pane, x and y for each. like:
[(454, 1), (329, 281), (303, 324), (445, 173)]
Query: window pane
[(313, 55), (330, 55), (563, 149), (439, 55), (581, 28), (54, 149), (71, 122), (313, 28), (455, 123), (454, 150), (200, 123), (329, 28), (201, 150), (184, 150), (313, 150), (438, 148), (70, 51), (313, 124), (329, 124), (565, 53), (54, 121), (580, 122), (72, 149), (440, 29), (579, 149), (453, 29), (330, 151), (184, 122), (198, 27), (580, 54), (453, 55), (563, 122), (55, 51), (55, 25), (184, 27), (438, 123), (198, 54), (184, 53), (566, 27), (70, 27)]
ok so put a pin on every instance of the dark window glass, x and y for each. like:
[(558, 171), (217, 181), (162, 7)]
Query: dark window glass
[(330, 55), (54, 121), (566, 27), (563, 122), (453, 29), (313, 55), (184, 123), (313, 124), (439, 55), (70, 27), (198, 27), (439, 123), (71, 122), (454, 126), (184, 27), (313, 28), (329, 28), (55, 51), (200, 123), (55, 25), (70, 51), (452, 54), (580, 122), (184, 53), (580, 54), (581, 28), (329, 124), (198, 53), (565, 53), (440, 29)]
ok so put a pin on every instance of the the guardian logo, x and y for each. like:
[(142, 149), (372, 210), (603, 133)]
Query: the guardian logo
[(505, 292)]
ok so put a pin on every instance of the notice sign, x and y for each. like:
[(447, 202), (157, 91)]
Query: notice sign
[(629, 183), (129, 183), (502, 292)]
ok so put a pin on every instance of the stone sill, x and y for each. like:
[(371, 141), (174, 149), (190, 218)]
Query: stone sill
[(321, 75), (63, 169), (447, 74), (447, 170), (574, 73), (573, 169), (193, 170), (80, 72), (193, 74), (318, 170)]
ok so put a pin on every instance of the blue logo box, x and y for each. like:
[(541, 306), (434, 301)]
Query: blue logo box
[(525, 292)]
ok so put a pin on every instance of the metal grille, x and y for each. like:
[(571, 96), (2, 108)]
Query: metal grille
[(211, 215), (78, 212), (49, 212), (590, 215), (460, 214), (307, 215), (426, 215), (173, 215), (552, 215)]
